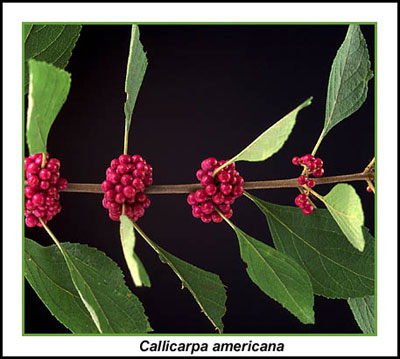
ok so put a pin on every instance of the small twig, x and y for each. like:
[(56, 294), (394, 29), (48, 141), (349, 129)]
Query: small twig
[(188, 188)]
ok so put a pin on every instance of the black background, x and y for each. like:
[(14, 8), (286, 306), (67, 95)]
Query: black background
[(209, 90)]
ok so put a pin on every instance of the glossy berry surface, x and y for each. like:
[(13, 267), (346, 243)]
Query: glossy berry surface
[(312, 166), (218, 193), (124, 186), (42, 200)]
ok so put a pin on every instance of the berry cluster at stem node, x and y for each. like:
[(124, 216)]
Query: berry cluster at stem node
[(42, 183), (312, 166), (126, 179), (218, 192)]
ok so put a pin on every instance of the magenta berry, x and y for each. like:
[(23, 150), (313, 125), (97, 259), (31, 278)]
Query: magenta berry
[(318, 163), (318, 172), (302, 180), (310, 183), (41, 191), (296, 160), (218, 193), (126, 180), (308, 209)]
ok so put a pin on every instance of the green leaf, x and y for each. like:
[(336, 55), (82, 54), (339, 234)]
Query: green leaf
[(364, 313), (48, 90), (335, 267), (348, 80), (270, 141), (136, 68), (50, 43), (98, 282), (136, 268), (206, 287), (47, 273), (345, 207), (26, 29), (278, 276)]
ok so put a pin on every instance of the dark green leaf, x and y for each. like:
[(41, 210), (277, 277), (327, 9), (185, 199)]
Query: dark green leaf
[(98, 282), (47, 273), (50, 43), (335, 267), (136, 268), (137, 64), (278, 275), (364, 313), (345, 207), (48, 90), (270, 141), (26, 29), (348, 80), (206, 287)]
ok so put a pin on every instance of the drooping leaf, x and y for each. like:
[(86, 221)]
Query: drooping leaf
[(136, 268), (206, 287), (50, 43), (315, 241), (98, 282), (345, 207), (278, 276), (364, 313), (348, 80), (136, 68), (270, 141), (48, 275), (48, 90)]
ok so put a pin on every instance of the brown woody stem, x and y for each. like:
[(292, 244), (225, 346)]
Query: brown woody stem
[(187, 188)]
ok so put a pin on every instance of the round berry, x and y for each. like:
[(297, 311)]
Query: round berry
[(114, 164), (114, 178), (114, 207), (318, 163), (125, 159), (44, 174), (369, 189), (302, 180), (120, 198), (318, 172), (207, 208), (216, 218), (137, 158), (310, 183), (129, 212), (200, 196), (33, 168), (55, 162), (308, 209), (224, 176), (107, 185), (208, 164), (138, 184), (122, 169), (237, 191), (148, 181), (118, 188), (38, 199), (191, 199), (29, 205), (211, 189), (110, 195), (206, 218), (218, 198), (224, 208), (129, 192), (296, 160), (206, 180), (200, 174), (31, 221), (141, 197), (138, 210), (307, 158), (38, 213), (146, 203), (33, 181), (139, 174), (44, 185), (126, 180), (196, 211), (225, 188), (311, 166), (62, 184)]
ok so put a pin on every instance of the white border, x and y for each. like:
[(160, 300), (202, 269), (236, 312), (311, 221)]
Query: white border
[(385, 14)]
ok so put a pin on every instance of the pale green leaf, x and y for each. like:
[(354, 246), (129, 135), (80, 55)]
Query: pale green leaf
[(315, 241), (348, 80), (278, 276), (97, 290), (206, 287), (48, 90), (50, 43), (136, 68), (270, 141), (345, 207), (136, 268), (364, 313)]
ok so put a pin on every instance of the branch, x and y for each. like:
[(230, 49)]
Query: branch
[(188, 188)]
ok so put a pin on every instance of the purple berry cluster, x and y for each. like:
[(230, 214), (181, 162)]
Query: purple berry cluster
[(313, 166), (218, 192), (126, 179), (42, 184)]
